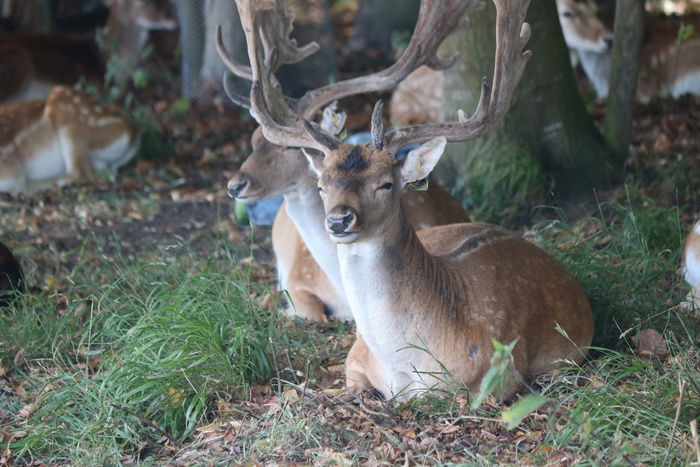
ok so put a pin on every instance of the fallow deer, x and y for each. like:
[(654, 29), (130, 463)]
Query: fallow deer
[(11, 277), (64, 139), (669, 64), (31, 64), (273, 170), (691, 265), (430, 302)]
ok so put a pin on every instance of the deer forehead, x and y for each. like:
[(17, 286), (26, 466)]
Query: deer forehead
[(358, 163)]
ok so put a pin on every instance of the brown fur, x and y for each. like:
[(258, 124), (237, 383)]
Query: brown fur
[(448, 289)]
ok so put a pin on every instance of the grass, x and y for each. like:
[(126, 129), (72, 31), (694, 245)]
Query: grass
[(501, 182), (143, 356), (163, 354)]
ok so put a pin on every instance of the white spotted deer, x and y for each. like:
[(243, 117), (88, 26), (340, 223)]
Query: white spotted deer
[(31, 64), (311, 274), (62, 140), (431, 302)]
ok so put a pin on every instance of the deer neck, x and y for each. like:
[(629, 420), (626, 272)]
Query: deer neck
[(305, 208), (596, 65), (388, 303)]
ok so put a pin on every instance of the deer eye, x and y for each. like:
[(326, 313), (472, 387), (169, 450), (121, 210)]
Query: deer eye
[(321, 190), (387, 186), (567, 14)]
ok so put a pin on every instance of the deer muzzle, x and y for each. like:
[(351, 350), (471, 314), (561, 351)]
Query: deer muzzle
[(342, 223)]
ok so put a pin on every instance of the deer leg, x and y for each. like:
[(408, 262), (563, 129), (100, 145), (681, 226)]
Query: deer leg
[(304, 303), (364, 371), (76, 156)]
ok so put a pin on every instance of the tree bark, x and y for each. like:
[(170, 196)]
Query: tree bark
[(549, 120), (627, 45)]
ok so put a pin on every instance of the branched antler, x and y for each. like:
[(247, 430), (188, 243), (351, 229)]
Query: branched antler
[(512, 34), (267, 27)]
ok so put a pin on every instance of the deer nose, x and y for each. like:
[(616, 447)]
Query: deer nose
[(235, 188), (340, 223), (608, 42)]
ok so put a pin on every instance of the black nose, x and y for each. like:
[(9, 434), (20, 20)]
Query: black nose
[(339, 224), (608, 42), (235, 189)]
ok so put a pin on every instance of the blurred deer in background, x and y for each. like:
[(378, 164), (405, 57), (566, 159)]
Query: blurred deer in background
[(669, 65), (64, 139), (11, 277), (430, 302), (273, 170), (691, 265), (31, 64)]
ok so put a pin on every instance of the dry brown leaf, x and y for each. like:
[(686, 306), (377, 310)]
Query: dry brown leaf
[(651, 344)]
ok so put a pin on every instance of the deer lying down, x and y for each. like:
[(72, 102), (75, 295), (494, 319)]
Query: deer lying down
[(272, 170), (691, 265), (281, 169), (431, 301), (11, 277), (65, 139)]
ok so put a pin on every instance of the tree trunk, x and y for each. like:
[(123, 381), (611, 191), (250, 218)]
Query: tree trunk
[(548, 122), (627, 45)]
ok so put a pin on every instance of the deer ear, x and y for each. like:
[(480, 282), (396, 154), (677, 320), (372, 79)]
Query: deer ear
[(421, 161), (315, 159)]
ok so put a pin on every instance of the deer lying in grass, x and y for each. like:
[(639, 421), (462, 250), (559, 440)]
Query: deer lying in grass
[(314, 283), (429, 302), (31, 64), (11, 277), (62, 140), (691, 265)]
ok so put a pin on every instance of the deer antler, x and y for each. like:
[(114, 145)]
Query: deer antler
[(275, 26), (512, 34), (282, 121)]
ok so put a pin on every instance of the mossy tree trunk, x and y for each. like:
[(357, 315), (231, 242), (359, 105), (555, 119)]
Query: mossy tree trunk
[(549, 120), (629, 25)]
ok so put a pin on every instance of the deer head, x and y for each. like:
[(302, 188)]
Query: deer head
[(583, 30)]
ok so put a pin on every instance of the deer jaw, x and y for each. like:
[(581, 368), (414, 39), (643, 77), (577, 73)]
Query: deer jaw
[(61, 141)]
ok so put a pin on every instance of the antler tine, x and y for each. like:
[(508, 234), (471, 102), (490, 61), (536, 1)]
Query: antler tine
[(236, 68), (279, 123), (278, 47), (437, 19), (512, 34)]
